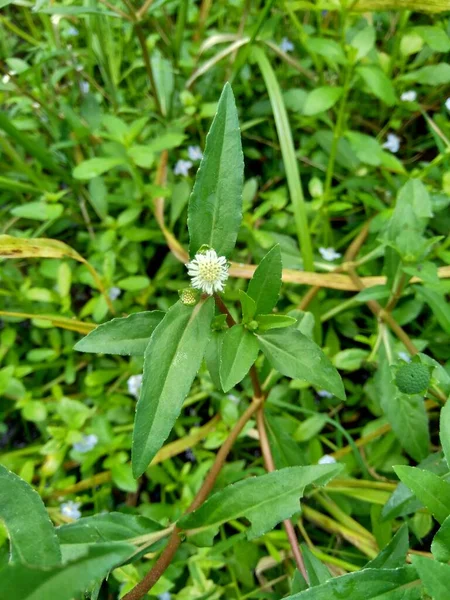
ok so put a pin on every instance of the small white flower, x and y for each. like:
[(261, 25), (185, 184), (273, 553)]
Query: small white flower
[(286, 45), (84, 87), (55, 19), (393, 143), (134, 384), (165, 596), (329, 254), (72, 31), (208, 271), (324, 394), (404, 356), (409, 96), (234, 399), (447, 104), (71, 509), (87, 443), (195, 153), (327, 460), (114, 293), (6, 78), (182, 167)]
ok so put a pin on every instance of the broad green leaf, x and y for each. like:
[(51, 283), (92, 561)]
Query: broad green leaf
[(239, 351), (317, 571), (163, 75), (19, 582), (93, 167), (172, 359), (434, 36), (215, 205), (435, 576), (440, 546), (32, 535), (438, 304), (296, 356), (328, 48), (212, 357), (128, 336), (266, 322), (286, 452), (393, 556), (406, 414), (368, 584), (166, 141), (264, 500), (265, 285), (378, 83), (429, 75), (248, 306), (430, 489), (321, 99), (40, 211), (363, 42), (444, 431)]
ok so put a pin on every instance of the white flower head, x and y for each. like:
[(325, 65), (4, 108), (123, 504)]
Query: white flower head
[(324, 394), (327, 460), (71, 509), (447, 104), (134, 384), (114, 293), (208, 271), (409, 96), (86, 444), (329, 254), (195, 153), (84, 87), (404, 356), (392, 143), (286, 45), (182, 167)]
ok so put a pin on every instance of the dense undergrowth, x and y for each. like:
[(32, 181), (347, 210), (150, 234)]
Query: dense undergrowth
[(344, 118)]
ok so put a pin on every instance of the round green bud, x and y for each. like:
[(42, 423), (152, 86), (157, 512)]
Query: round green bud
[(253, 325), (413, 378)]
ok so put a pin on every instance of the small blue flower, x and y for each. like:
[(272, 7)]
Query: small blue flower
[(329, 254), (134, 385), (393, 143), (327, 460), (114, 293), (86, 444), (195, 153), (71, 509), (286, 45), (182, 167)]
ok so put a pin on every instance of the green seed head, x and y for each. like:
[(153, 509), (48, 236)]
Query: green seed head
[(412, 378), (189, 296)]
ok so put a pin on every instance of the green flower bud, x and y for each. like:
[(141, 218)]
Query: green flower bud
[(413, 378)]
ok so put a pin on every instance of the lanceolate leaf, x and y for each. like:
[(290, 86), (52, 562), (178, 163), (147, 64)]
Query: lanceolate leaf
[(444, 431), (32, 535), (296, 356), (265, 500), (129, 335), (239, 351), (435, 576), (172, 359), (212, 357), (440, 546), (394, 554), (265, 285), (266, 322), (215, 206), (367, 584), (18, 582), (430, 489)]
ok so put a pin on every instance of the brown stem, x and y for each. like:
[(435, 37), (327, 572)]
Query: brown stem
[(167, 555), (270, 466)]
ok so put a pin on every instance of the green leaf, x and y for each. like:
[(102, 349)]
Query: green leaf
[(248, 306), (212, 357), (440, 546), (444, 431), (31, 533), (406, 413), (317, 571), (435, 576), (378, 83), (164, 79), (438, 304), (40, 211), (429, 75), (265, 285), (430, 489), (363, 42), (93, 167), (434, 36), (19, 582), (321, 99), (215, 205), (239, 351), (172, 359), (264, 500), (368, 584), (127, 336), (266, 322), (393, 556), (286, 452), (296, 356)]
